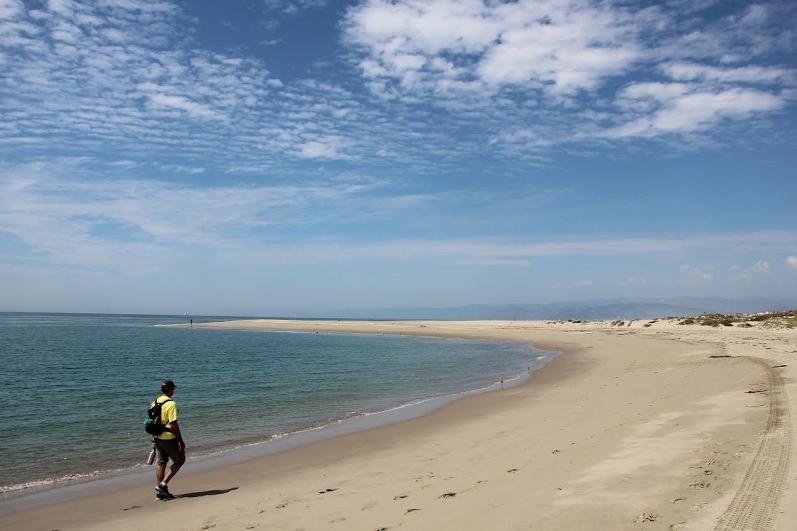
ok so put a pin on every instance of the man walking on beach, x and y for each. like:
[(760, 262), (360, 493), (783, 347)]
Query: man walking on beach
[(170, 443)]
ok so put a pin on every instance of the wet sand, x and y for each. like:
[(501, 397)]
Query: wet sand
[(659, 427)]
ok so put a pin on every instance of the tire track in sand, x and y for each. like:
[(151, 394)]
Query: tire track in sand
[(753, 505)]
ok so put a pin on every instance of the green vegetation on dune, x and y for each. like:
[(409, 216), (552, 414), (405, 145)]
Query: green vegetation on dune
[(781, 319)]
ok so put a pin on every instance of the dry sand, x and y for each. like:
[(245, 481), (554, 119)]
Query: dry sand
[(635, 427)]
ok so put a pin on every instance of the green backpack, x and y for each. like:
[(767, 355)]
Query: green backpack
[(153, 424)]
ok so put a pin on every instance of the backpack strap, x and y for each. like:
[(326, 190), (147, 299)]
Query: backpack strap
[(160, 404)]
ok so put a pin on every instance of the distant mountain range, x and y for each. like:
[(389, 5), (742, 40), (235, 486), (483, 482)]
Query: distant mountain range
[(592, 309)]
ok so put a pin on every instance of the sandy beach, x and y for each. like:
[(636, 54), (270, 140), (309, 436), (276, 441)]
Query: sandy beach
[(647, 425)]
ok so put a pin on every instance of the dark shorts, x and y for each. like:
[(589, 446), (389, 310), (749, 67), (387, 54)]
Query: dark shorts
[(168, 448)]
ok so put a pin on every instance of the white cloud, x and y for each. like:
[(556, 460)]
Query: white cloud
[(274, 12), (517, 252), (62, 7), (747, 74), (634, 281), (100, 222), (433, 45), (124, 164), (761, 266), (10, 9), (681, 108), (469, 55), (791, 262), (292, 7), (756, 14), (136, 87), (331, 147), (695, 274), (654, 91), (510, 79), (178, 102), (91, 222)]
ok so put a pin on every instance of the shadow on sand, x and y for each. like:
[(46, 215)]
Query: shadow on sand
[(206, 493)]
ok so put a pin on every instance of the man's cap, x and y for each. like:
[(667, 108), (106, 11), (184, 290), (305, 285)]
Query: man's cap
[(168, 384)]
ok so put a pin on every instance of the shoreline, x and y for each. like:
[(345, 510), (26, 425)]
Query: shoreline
[(484, 435), (70, 489)]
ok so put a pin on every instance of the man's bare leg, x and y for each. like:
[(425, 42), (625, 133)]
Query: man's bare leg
[(175, 468), (160, 472)]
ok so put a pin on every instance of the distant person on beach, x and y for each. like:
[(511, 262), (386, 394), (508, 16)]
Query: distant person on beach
[(170, 444)]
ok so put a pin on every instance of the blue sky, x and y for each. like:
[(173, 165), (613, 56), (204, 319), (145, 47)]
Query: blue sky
[(307, 156)]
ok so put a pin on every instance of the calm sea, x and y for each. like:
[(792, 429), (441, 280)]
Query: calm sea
[(74, 388)]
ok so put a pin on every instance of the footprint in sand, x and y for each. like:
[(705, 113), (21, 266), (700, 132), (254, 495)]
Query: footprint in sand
[(327, 490), (411, 510), (646, 517), (283, 504), (512, 470), (400, 497), (447, 495), (698, 507)]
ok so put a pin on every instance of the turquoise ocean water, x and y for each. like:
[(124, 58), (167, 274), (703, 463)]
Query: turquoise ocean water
[(74, 388)]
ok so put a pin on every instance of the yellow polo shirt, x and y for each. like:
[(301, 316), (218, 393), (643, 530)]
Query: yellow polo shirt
[(168, 415)]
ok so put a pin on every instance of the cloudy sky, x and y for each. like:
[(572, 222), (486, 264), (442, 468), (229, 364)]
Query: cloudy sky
[(303, 156)]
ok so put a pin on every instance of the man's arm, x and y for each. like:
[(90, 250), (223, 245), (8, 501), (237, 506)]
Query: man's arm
[(176, 430)]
